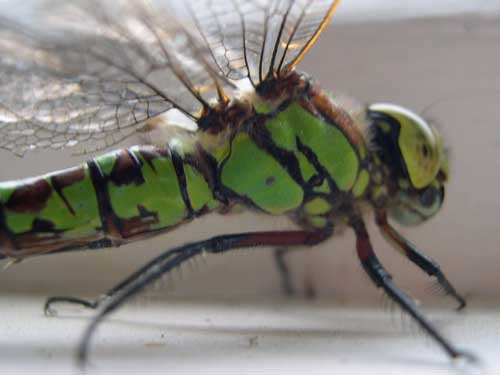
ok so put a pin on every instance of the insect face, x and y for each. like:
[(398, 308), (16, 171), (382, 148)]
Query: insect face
[(419, 167)]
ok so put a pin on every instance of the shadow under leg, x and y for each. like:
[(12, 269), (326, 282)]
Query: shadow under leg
[(280, 255)]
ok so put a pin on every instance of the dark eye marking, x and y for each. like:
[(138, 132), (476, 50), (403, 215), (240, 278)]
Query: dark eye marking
[(428, 196), (425, 151)]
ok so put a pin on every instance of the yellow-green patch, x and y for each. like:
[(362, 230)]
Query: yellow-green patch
[(159, 193), (253, 173), (6, 190), (318, 221), (307, 170), (317, 206), (361, 183), (323, 188), (262, 107), (385, 127), (221, 152), (198, 190), (107, 162), (362, 151), (80, 196), (328, 143), (379, 192)]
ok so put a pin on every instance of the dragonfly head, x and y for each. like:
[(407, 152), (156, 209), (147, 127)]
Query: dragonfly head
[(413, 152)]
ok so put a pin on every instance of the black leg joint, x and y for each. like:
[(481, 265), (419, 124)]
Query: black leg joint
[(374, 269), (425, 263)]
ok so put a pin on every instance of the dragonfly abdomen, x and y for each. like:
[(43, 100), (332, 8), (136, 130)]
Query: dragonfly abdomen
[(112, 199), (145, 189)]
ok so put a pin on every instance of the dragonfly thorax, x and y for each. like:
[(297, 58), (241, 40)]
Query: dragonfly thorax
[(302, 154)]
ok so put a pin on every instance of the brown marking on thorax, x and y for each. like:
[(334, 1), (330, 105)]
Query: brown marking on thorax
[(149, 154), (65, 179), (324, 104), (139, 224), (30, 197), (284, 87), (30, 244), (68, 177), (7, 246), (224, 117), (231, 116), (127, 169)]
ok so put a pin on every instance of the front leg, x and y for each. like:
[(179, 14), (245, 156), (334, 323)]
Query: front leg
[(382, 279), (416, 257)]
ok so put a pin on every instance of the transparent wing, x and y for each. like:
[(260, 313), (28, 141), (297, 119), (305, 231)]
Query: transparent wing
[(261, 38), (94, 72)]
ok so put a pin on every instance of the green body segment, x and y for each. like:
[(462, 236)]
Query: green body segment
[(328, 143), (198, 190), (291, 162), (67, 204), (150, 194), (111, 199), (251, 172)]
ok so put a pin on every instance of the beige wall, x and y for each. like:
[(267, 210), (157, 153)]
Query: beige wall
[(453, 63)]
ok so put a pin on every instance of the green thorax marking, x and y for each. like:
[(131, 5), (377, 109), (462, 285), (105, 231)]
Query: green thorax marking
[(252, 173), (252, 168), (331, 147)]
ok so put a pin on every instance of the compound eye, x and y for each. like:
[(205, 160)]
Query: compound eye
[(429, 196), (420, 153), (419, 144)]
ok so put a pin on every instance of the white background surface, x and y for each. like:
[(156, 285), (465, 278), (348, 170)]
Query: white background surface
[(450, 61), (250, 337)]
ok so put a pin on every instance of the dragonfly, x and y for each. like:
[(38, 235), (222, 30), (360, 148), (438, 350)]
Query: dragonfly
[(227, 123)]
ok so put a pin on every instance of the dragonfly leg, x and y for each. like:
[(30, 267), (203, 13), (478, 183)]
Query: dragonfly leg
[(421, 260), (382, 279), (94, 304), (279, 256), (50, 311), (174, 257)]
